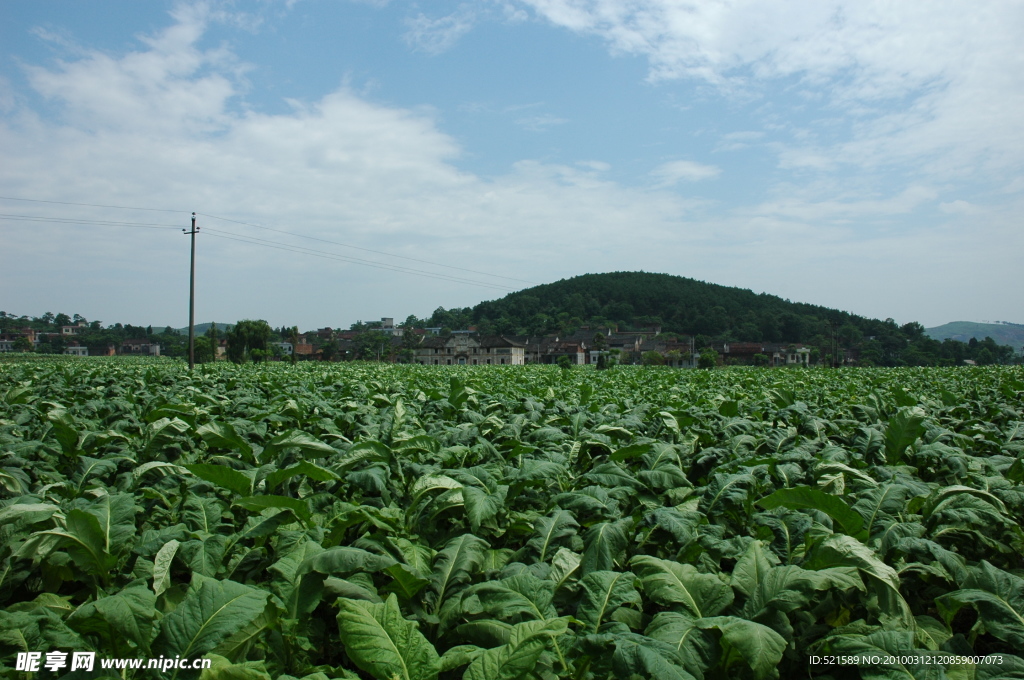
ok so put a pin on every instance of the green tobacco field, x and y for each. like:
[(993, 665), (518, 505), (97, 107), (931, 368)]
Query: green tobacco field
[(379, 521)]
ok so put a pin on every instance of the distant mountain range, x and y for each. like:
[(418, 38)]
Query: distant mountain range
[(201, 328), (1011, 334)]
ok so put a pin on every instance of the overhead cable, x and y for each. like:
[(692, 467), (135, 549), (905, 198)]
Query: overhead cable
[(90, 205), (380, 265), (101, 223), (344, 258), (368, 250)]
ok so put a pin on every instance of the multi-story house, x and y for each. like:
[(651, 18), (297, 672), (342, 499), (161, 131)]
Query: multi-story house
[(469, 349)]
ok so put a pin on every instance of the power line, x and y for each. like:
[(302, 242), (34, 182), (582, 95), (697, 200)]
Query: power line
[(253, 240), (101, 223), (369, 250), (344, 258), (379, 265), (90, 205)]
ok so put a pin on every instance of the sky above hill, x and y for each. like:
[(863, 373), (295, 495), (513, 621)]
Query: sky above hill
[(357, 159)]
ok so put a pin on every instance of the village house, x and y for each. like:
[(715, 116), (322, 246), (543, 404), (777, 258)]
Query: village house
[(303, 348), (387, 325), (140, 347), (675, 353), (791, 356), (469, 349), (777, 354), (550, 348)]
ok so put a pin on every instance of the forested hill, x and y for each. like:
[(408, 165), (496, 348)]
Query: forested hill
[(633, 300)]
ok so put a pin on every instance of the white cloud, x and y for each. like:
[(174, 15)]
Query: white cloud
[(435, 36), (940, 81), (802, 205), (674, 172)]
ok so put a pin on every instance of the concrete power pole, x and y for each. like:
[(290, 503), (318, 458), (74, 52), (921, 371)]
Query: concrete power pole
[(192, 298)]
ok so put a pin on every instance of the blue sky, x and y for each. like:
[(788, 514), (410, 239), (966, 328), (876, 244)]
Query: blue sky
[(866, 156)]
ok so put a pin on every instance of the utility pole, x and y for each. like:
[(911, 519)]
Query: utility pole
[(833, 327), (192, 298)]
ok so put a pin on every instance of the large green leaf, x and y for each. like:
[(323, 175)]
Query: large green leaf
[(344, 560), (162, 566), (602, 544), (127, 615), (882, 502), (455, 564), (552, 531), (760, 646), (165, 468), (116, 516), (686, 639), (84, 540), (483, 504), (428, 483), (224, 477), (384, 644), (65, 429), (517, 658), (311, 470), (725, 489), (788, 588), (997, 595), (564, 566), (363, 452), (801, 497), (223, 435), (35, 630), (602, 592), (670, 583), (261, 503), (303, 441), (751, 568), (237, 645), (839, 550), (211, 612), (903, 430), (407, 581), (485, 632), (24, 514), (203, 513), (206, 556), (163, 434), (639, 656), (519, 595)]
